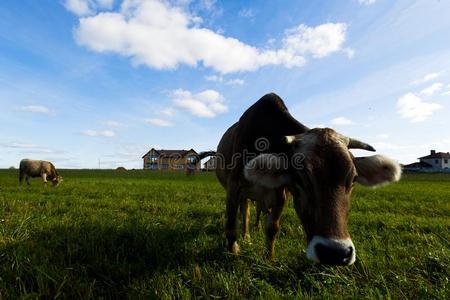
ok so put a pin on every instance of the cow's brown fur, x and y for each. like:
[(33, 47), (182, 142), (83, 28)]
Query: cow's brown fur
[(321, 186), (38, 168), (268, 118), (329, 170)]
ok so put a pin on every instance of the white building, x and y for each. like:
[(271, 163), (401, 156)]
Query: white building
[(437, 160), (210, 165)]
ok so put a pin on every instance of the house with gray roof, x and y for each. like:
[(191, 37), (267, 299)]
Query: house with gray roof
[(434, 162)]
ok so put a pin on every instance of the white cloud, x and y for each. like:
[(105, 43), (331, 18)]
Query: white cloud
[(429, 91), (206, 104), (99, 133), (105, 3), (366, 2), (161, 36), (271, 41), (112, 123), (318, 41), (27, 147), (386, 146), (78, 7), (169, 112), (87, 7), (412, 107), (247, 13), (382, 136), (234, 81), (19, 145), (209, 6), (158, 122), (34, 109), (349, 52), (446, 93), (341, 121), (214, 78), (427, 77)]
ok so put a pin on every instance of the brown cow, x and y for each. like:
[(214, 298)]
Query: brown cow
[(38, 168), (267, 153)]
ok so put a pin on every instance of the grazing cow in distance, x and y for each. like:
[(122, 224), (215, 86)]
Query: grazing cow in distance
[(268, 153), (38, 168)]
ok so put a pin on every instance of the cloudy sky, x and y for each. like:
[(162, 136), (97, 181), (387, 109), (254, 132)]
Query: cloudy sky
[(89, 81)]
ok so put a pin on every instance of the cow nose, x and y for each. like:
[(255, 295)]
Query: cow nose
[(334, 255), (331, 251)]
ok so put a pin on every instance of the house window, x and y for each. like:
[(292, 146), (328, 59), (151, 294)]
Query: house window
[(436, 161), (446, 161), (152, 166), (153, 158), (191, 159)]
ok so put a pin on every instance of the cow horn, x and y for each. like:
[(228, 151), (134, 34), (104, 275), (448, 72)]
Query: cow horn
[(289, 139), (355, 144)]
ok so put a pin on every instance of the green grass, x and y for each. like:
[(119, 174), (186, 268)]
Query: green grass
[(106, 234)]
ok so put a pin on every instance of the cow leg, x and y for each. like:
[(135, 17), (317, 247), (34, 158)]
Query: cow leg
[(245, 213), (231, 225), (21, 175), (258, 213), (27, 179), (272, 225), (44, 178)]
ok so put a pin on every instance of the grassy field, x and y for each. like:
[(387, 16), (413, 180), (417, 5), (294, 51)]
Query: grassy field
[(135, 234)]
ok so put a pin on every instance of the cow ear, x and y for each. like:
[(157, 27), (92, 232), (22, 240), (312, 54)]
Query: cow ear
[(377, 170), (267, 170)]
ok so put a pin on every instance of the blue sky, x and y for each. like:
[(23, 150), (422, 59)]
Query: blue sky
[(84, 81)]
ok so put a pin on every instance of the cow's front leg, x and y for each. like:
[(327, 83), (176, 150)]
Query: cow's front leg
[(231, 225), (27, 179), (272, 225), (44, 178), (245, 213)]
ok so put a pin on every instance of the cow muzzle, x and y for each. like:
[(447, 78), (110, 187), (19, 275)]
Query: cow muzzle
[(331, 251)]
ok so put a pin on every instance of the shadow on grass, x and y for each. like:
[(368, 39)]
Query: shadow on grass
[(111, 259), (94, 260)]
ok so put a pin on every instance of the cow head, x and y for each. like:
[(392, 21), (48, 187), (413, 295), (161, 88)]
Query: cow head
[(57, 180), (319, 170)]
